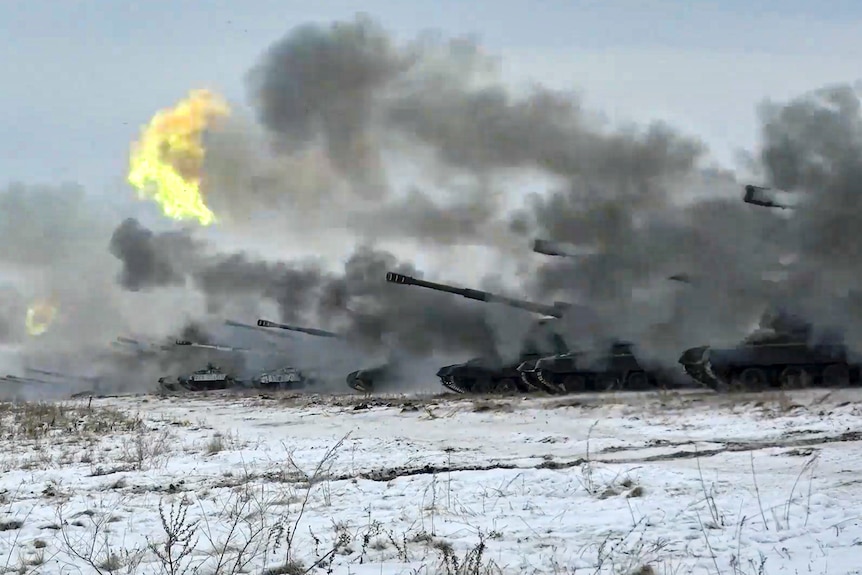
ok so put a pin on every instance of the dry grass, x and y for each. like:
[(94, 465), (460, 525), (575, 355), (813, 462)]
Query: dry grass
[(38, 420), (255, 530)]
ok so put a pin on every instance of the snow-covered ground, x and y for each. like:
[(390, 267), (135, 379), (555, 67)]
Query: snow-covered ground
[(279, 485)]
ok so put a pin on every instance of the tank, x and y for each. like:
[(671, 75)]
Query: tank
[(361, 380), (282, 378), (494, 374), (210, 378), (365, 380), (575, 371), (786, 353)]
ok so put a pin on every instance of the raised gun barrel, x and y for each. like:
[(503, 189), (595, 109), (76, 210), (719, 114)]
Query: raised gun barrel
[(144, 345), (16, 379), (215, 346), (565, 250), (308, 330), (555, 310), (61, 375), (767, 197), (233, 323)]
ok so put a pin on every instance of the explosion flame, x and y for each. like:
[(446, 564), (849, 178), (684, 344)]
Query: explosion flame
[(39, 317), (166, 164)]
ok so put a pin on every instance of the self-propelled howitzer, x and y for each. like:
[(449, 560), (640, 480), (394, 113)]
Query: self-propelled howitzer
[(361, 380), (286, 377), (617, 368), (787, 353), (773, 358), (493, 374)]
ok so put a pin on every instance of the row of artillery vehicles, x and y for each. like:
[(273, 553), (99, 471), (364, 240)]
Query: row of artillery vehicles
[(785, 355)]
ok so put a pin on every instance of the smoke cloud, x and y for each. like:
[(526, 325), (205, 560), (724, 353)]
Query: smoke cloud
[(379, 150)]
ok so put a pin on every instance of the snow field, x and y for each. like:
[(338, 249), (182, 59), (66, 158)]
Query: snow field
[(616, 484)]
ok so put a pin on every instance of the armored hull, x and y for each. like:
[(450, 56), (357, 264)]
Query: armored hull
[(361, 380), (572, 372), (762, 366), (485, 375)]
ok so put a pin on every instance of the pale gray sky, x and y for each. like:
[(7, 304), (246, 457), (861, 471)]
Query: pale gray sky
[(82, 76)]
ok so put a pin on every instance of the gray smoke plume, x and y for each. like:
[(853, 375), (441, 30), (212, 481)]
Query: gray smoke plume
[(357, 140), (357, 303), (378, 140), (813, 146), (54, 250), (639, 235)]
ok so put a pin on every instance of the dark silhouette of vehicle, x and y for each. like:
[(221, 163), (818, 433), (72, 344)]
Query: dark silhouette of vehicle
[(361, 380), (495, 374), (787, 352), (575, 371)]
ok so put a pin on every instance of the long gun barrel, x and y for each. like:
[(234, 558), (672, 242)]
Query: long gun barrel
[(61, 375), (768, 197), (142, 344), (555, 310), (561, 249), (16, 379), (219, 347), (308, 330), (233, 323)]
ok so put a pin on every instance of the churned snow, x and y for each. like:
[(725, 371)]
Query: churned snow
[(623, 483)]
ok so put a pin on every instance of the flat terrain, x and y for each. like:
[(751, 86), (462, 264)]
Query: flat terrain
[(622, 483)]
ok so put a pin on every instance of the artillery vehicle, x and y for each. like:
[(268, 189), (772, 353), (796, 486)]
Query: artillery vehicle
[(574, 371), (361, 380), (776, 358), (366, 380), (282, 378), (210, 378), (493, 374), (786, 354)]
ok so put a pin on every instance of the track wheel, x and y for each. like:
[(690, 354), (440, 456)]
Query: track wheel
[(575, 383), (607, 382), (637, 381), (836, 375), (793, 377), (506, 386), (483, 385), (753, 379)]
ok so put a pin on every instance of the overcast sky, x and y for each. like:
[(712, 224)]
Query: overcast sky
[(82, 76)]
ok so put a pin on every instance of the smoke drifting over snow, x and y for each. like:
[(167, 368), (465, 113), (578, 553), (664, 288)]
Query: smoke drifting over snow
[(54, 250), (356, 303), (359, 140), (812, 146)]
